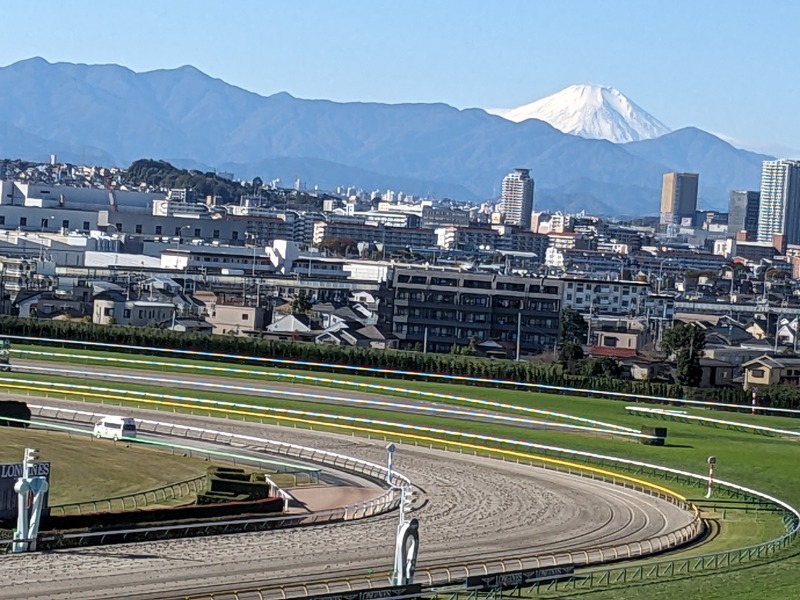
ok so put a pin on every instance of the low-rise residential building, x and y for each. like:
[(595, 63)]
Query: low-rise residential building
[(112, 308), (771, 370), (231, 319), (715, 373)]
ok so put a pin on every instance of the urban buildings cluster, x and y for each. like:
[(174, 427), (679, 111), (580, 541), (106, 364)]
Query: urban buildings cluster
[(386, 270)]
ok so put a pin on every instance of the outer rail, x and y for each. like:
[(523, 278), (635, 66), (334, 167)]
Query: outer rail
[(430, 576)]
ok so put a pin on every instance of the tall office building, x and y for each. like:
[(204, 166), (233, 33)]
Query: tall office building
[(779, 210), (678, 197), (516, 198), (743, 214)]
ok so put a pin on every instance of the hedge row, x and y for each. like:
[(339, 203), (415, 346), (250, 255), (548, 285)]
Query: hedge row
[(13, 409), (223, 484)]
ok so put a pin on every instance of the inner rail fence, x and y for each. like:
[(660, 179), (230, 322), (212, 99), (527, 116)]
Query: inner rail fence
[(180, 490), (443, 575), (439, 575), (663, 568), (387, 501)]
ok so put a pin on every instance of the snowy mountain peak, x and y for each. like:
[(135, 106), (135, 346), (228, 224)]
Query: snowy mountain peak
[(591, 111)]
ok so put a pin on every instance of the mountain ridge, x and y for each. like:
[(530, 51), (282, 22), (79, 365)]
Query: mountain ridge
[(591, 111), (422, 148)]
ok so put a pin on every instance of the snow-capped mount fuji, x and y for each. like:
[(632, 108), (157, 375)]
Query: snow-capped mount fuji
[(591, 111)]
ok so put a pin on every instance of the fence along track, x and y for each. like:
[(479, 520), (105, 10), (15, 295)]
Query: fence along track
[(717, 560), (386, 502), (431, 576), (159, 495)]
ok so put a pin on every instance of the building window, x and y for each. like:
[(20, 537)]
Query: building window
[(119, 226), (234, 235), (2, 220), (245, 316), (138, 228), (126, 313), (158, 229), (23, 221), (197, 233), (215, 235), (108, 311), (87, 226), (759, 373)]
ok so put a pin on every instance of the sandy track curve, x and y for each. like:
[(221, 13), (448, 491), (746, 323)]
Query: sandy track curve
[(474, 509)]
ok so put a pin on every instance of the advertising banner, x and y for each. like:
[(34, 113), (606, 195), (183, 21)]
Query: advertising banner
[(9, 473)]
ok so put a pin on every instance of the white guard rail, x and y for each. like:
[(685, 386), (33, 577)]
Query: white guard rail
[(387, 501)]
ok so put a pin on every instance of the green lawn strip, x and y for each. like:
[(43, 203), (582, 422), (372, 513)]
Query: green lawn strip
[(756, 461), (688, 446), (770, 579), (753, 461), (85, 469), (730, 532), (738, 529), (590, 407)]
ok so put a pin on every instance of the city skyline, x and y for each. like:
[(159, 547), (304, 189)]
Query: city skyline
[(465, 55)]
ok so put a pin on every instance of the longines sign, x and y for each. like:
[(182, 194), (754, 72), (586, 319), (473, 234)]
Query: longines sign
[(398, 591), (512, 580), (9, 473)]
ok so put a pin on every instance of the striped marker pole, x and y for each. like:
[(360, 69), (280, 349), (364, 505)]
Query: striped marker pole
[(712, 460)]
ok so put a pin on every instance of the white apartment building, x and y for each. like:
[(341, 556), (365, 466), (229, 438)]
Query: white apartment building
[(779, 209), (605, 297), (516, 198)]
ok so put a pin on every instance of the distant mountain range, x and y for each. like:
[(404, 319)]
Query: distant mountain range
[(108, 114)]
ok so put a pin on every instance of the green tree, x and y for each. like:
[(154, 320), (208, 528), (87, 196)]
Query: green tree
[(686, 343), (573, 330), (301, 303), (601, 367)]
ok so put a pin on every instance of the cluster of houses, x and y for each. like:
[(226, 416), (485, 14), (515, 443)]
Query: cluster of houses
[(412, 275)]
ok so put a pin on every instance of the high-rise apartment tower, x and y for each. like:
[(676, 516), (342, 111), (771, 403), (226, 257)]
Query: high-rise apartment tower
[(516, 198), (779, 210)]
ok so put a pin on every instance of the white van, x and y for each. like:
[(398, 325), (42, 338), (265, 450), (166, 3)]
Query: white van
[(115, 428)]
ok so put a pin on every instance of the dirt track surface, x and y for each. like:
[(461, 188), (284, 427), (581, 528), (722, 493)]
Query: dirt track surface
[(472, 509)]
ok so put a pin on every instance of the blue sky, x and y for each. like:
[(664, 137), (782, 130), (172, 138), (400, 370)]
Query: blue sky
[(724, 66)]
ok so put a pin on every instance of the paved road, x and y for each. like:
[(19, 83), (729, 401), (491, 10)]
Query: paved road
[(474, 509)]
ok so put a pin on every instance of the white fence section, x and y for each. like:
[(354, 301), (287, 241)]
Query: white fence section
[(387, 501), (683, 416)]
